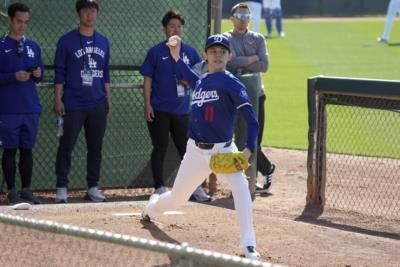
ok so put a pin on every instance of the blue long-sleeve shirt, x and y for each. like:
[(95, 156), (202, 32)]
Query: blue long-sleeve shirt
[(18, 97), (76, 53), (217, 100)]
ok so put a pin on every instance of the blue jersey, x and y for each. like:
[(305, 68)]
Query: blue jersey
[(161, 68), (216, 101), (76, 54), (18, 97)]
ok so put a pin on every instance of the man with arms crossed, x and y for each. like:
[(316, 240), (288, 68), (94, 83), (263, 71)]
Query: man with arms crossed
[(250, 56)]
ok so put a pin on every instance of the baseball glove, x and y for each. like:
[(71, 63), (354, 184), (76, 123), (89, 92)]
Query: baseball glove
[(228, 162)]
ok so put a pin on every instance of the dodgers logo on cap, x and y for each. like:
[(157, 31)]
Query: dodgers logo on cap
[(218, 39)]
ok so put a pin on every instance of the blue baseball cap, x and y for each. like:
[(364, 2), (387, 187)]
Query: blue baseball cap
[(217, 39)]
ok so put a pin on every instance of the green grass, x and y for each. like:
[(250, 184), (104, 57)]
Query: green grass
[(345, 48)]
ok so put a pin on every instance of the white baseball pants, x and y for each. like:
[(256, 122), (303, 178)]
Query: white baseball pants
[(255, 9), (272, 4), (392, 10), (192, 171)]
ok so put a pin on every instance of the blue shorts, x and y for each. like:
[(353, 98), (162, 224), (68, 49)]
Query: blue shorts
[(18, 130)]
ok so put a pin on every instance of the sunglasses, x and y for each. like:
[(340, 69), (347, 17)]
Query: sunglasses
[(20, 48), (242, 16)]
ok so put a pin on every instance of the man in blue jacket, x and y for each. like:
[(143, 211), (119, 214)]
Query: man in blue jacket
[(20, 69)]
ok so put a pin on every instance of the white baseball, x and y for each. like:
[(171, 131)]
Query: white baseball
[(173, 41)]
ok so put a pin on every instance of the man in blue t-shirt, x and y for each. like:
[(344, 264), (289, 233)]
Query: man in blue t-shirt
[(82, 97), (20, 69), (166, 99)]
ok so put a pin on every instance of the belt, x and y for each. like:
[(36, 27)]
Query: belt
[(208, 146)]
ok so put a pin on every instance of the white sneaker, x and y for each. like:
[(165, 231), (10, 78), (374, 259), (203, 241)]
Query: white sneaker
[(282, 34), (145, 215), (200, 195), (160, 190), (251, 253), (382, 40), (61, 195), (95, 195)]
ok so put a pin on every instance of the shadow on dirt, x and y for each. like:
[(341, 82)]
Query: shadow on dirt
[(311, 215)]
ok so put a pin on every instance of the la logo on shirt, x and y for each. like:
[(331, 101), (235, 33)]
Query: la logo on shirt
[(185, 59), (31, 54)]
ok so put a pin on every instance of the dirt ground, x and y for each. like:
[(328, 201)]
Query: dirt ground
[(285, 234)]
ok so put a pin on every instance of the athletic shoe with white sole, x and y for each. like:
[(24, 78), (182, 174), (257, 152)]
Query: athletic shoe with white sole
[(61, 195), (95, 195), (27, 195), (200, 195), (13, 197), (251, 253), (266, 187)]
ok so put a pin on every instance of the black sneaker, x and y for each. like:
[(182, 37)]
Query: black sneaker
[(26, 195), (268, 178), (13, 197), (260, 189), (266, 187)]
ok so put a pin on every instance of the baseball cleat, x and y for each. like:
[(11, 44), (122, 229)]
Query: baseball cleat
[(145, 217), (251, 253), (145, 214)]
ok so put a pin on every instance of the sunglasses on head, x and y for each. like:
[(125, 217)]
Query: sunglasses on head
[(20, 48), (242, 16)]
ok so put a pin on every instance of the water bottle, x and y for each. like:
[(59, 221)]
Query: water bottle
[(60, 126)]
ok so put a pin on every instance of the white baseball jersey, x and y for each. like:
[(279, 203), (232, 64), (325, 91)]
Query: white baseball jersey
[(272, 4)]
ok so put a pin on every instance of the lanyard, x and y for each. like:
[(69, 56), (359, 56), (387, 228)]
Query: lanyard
[(93, 44)]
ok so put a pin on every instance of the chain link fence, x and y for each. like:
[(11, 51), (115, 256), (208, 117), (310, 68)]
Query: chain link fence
[(363, 159), (353, 157), (132, 28)]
